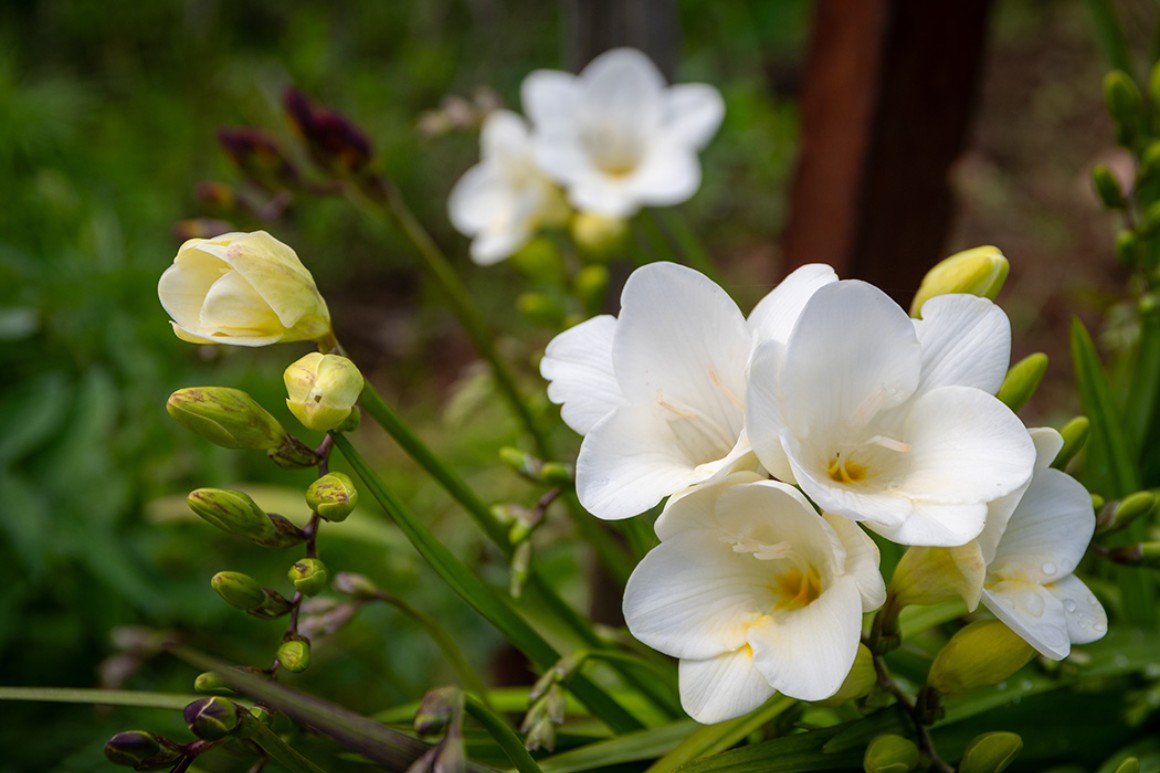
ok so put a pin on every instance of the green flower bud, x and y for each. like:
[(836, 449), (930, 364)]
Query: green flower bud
[(228, 417), (981, 654), (309, 576), (599, 236), (322, 389), (286, 533), (356, 585), (1107, 187), (591, 286), (1022, 380), (1126, 245), (522, 462), (294, 655), (558, 474), (990, 753), (212, 718), (436, 710), (540, 259), (1129, 765), (210, 683), (1075, 434), (927, 575), (859, 681), (890, 753), (232, 512), (1124, 105), (333, 496), (541, 309), (980, 271), (142, 750), (293, 454), (1138, 505), (238, 590)]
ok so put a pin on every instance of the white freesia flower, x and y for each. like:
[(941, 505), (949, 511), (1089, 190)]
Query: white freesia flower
[(505, 198), (245, 289), (616, 137), (889, 420), (755, 593), (1031, 558), (658, 393)]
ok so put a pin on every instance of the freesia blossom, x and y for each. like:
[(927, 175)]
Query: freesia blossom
[(755, 593), (505, 198), (889, 420), (616, 137), (246, 289), (658, 393), (1031, 558)]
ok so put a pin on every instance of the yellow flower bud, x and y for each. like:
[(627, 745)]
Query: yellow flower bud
[(859, 681), (1022, 380), (333, 496), (981, 654), (928, 575), (245, 289), (889, 753), (990, 753), (322, 389), (228, 417), (294, 655), (598, 235), (980, 271)]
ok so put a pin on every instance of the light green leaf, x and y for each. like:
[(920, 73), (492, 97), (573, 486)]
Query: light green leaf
[(629, 747), (144, 700)]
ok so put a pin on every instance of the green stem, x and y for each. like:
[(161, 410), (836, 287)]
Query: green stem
[(480, 596), (501, 733), (1110, 36), (439, 268)]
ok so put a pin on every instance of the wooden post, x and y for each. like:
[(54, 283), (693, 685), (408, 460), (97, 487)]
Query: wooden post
[(887, 99), (591, 27)]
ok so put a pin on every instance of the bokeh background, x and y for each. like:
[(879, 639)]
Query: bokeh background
[(108, 122)]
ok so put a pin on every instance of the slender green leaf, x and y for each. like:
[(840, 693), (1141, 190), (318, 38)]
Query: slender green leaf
[(1107, 432), (503, 734), (480, 596), (144, 700), (1109, 35), (788, 754), (712, 739), (1144, 390), (283, 752), (629, 747)]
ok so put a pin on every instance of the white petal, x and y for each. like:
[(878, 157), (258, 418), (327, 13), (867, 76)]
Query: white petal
[(1086, 619), (852, 354), (591, 191), (700, 509), (625, 87), (1049, 531), (232, 307), (1032, 612), (693, 597), (631, 460), (764, 421), (682, 343), (936, 525), (862, 561), (808, 653), (693, 113), (1048, 444), (774, 316), (668, 174), (476, 199), (492, 245), (578, 362), (550, 97), (966, 341), (723, 687), (504, 138)]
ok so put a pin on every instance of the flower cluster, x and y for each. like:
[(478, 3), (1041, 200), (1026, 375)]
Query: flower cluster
[(606, 142), (773, 436)]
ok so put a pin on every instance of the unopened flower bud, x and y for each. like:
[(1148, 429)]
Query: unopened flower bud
[(293, 454), (980, 271), (228, 417), (322, 389), (210, 683), (927, 575), (990, 753), (258, 156), (889, 753), (522, 462), (591, 285), (1130, 765), (541, 309), (598, 236), (309, 576), (558, 474), (238, 590), (199, 228), (539, 730), (294, 655), (231, 511), (436, 710), (858, 682), (1125, 105), (333, 496), (981, 654), (1126, 247), (212, 718), (1107, 187), (1022, 380), (217, 196), (356, 585), (1075, 434), (539, 259), (1131, 507), (333, 141), (521, 566), (142, 750)]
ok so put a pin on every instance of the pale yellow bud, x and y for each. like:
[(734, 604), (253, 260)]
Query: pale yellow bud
[(980, 271), (859, 681), (245, 289), (981, 654), (928, 575), (322, 389), (597, 234)]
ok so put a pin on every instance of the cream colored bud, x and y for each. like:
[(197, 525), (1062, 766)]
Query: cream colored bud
[(928, 575), (598, 235), (322, 389), (859, 681), (889, 753), (980, 271), (245, 289), (983, 653)]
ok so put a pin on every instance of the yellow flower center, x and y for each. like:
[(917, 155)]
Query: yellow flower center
[(797, 588), (845, 470)]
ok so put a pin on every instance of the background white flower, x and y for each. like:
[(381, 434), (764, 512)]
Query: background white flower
[(659, 392), (504, 199), (1030, 584), (888, 420), (755, 593), (616, 137)]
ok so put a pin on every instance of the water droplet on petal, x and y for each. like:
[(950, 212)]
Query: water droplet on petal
[(1069, 605), (1092, 599), (1049, 568), (1032, 603), (1099, 627)]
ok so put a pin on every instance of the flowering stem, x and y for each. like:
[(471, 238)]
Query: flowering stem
[(913, 710), (440, 269), (501, 733)]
